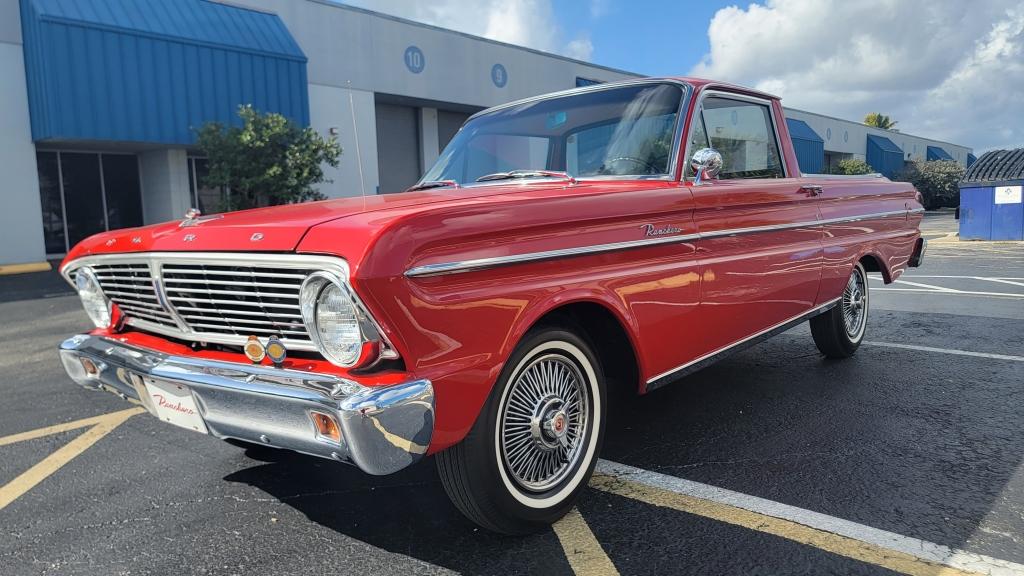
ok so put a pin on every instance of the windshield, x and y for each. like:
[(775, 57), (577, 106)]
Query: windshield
[(626, 131)]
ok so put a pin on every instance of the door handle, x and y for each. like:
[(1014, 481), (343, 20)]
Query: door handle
[(811, 189)]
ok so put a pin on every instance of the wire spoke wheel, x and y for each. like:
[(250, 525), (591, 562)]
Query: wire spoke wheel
[(854, 303), (543, 422)]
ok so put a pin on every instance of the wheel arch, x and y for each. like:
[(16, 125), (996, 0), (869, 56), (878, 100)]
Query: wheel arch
[(603, 325), (872, 262)]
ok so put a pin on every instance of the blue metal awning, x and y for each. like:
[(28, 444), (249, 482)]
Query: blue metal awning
[(883, 155), (937, 153), (152, 70), (798, 129), (809, 147)]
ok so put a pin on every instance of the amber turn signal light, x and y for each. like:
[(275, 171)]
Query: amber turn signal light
[(326, 426), (254, 350), (276, 350)]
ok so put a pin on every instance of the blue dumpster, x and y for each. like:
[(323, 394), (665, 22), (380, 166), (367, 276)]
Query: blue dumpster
[(991, 202)]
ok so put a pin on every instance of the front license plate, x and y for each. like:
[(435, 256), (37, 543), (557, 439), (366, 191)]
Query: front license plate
[(174, 403)]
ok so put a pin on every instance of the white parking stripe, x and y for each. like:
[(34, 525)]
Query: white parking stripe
[(947, 351), (876, 276), (1002, 280), (931, 286), (951, 292), (928, 551)]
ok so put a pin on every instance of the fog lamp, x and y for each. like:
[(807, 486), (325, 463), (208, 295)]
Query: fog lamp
[(254, 350), (276, 350)]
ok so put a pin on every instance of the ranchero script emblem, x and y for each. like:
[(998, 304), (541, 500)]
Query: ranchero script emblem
[(256, 237), (189, 237), (650, 230)]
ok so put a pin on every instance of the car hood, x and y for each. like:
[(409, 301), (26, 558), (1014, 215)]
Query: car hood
[(272, 229)]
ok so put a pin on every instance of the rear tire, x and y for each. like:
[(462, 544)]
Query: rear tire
[(839, 332), (535, 443)]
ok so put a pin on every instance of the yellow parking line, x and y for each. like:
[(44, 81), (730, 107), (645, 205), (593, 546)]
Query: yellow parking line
[(821, 539), (58, 428), (36, 474), (582, 550)]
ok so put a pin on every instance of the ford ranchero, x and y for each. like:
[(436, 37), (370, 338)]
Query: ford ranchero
[(563, 248)]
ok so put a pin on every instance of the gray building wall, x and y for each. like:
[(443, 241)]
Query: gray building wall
[(848, 137), (21, 232), (355, 54), (357, 59)]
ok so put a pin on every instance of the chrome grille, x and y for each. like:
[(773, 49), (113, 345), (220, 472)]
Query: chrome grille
[(130, 286), (220, 298), (241, 300)]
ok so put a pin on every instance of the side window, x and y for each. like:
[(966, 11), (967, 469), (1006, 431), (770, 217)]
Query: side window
[(742, 132), (698, 140)]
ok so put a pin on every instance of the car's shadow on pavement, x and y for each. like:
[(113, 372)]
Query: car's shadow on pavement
[(889, 439), (406, 513)]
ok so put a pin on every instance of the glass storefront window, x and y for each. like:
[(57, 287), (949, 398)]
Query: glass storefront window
[(83, 193), (121, 185), (53, 205)]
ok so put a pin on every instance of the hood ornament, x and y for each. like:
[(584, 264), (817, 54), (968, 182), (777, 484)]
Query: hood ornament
[(194, 217)]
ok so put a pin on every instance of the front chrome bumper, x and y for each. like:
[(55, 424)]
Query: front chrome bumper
[(383, 428)]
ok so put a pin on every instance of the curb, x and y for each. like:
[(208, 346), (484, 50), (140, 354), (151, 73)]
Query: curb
[(8, 269)]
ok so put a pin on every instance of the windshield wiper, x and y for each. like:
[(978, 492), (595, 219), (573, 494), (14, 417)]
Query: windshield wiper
[(432, 184), (513, 174)]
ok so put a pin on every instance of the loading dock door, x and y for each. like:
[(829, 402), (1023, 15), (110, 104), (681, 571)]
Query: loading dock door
[(398, 147)]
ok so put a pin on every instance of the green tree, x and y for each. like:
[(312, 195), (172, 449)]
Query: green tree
[(938, 181), (880, 121), (852, 166), (268, 160)]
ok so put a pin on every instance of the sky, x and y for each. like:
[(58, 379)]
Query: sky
[(944, 69)]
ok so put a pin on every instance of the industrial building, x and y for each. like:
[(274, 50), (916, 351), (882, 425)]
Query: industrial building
[(102, 99)]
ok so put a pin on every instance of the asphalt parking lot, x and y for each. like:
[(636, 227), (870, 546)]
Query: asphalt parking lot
[(907, 458)]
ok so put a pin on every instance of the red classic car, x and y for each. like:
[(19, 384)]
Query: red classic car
[(613, 237)]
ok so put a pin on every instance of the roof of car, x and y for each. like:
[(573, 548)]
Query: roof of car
[(698, 85)]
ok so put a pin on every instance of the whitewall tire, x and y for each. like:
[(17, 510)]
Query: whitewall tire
[(537, 439)]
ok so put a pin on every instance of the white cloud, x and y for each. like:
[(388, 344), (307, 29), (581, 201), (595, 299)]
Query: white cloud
[(529, 23), (946, 69), (581, 48)]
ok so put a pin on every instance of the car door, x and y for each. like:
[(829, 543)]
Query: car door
[(761, 244)]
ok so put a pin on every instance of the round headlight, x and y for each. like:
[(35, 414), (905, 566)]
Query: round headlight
[(332, 319), (96, 305)]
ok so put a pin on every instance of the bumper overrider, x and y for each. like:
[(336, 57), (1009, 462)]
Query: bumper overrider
[(382, 428)]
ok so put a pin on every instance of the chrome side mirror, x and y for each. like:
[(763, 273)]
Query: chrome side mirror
[(706, 164)]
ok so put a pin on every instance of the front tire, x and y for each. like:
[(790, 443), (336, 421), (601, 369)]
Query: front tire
[(534, 446), (839, 332)]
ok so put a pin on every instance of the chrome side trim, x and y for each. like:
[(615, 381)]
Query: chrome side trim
[(480, 263), (668, 376)]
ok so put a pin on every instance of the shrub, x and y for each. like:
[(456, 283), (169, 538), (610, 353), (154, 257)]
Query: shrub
[(852, 166), (268, 160), (938, 181)]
